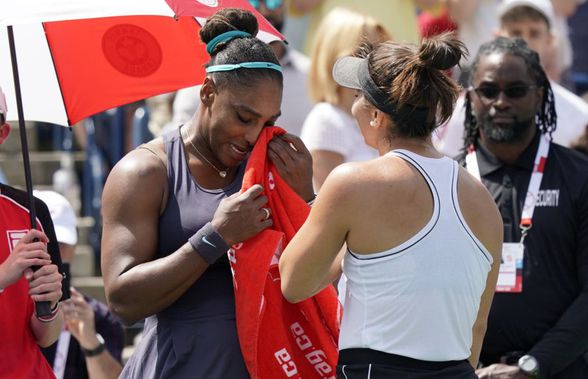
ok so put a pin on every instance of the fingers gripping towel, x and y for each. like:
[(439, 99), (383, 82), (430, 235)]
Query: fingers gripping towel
[(279, 339)]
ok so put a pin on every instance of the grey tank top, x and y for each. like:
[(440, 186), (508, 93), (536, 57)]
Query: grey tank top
[(195, 337)]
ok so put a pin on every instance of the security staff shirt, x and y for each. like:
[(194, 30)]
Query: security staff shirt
[(549, 319)]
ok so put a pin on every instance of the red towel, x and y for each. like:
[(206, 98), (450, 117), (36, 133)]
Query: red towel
[(279, 339)]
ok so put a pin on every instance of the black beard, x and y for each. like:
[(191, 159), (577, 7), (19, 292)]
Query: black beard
[(512, 133)]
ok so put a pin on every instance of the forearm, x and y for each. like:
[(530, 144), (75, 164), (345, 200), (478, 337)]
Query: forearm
[(566, 341), (46, 333), (156, 283), (103, 366)]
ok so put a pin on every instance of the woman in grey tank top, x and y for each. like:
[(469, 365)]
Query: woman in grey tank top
[(172, 208)]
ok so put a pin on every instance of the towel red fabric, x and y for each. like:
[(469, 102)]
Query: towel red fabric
[(279, 339)]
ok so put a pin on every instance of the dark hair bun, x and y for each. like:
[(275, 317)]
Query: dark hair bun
[(441, 52), (228, 19)]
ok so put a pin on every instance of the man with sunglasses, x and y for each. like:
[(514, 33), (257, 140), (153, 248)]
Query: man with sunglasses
[(538, 323), (533, 21)]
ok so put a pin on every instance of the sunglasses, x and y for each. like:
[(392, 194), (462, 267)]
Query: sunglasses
[(269, 4), (516, 91)]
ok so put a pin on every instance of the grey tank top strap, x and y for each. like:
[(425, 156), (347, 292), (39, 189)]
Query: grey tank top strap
[(196, 336)]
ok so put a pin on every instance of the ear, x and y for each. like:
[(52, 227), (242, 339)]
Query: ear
[(379, 118), (207, 91), (4, 132)]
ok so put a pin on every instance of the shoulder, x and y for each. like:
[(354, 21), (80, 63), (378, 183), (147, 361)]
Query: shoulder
[(569, 163), (142, 162), (20, 199), (140, 169), (357, 179), (474, 198), (480, 211), (15, 195), (577, 161)]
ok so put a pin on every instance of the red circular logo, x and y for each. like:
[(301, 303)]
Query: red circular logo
[(132, 50)]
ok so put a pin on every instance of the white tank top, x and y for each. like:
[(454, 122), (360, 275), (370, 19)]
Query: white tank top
[(419, 299)]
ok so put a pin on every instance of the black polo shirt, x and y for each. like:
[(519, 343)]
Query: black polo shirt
[(549, 319)]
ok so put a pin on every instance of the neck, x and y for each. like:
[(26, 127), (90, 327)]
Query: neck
[(196, 146), (508, 152), (420, 146)]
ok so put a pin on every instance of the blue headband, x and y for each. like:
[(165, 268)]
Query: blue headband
[(225, 37), (231, 67)]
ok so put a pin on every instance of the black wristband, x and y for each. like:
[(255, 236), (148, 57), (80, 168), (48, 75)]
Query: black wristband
[(97, 350), (208, 244), (50, 317)]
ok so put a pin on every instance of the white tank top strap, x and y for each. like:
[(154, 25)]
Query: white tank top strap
[(436, 171)]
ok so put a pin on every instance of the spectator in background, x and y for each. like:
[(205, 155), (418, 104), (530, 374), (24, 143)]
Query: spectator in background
[(538, 323), (435, 21), (95, 351), (296, 103), (22, 331), (530, 20), (562, 54), (330, 132)]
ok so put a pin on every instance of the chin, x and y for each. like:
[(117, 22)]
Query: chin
[(505, 133)]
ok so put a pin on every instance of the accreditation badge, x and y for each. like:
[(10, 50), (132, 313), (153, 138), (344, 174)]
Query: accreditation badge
[(510, 275)]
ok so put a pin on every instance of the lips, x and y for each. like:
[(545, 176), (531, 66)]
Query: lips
[(239, 152), (502, 119)]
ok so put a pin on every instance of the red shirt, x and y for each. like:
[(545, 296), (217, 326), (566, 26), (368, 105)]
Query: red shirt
[(20, 355)]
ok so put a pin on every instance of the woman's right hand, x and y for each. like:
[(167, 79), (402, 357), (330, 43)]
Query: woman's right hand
[(241, 215)]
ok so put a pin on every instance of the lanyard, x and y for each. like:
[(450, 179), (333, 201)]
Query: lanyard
[(534, 184), (61, 354)]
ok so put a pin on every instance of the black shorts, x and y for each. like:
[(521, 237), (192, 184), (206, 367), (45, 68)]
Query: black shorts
[(372, 364)]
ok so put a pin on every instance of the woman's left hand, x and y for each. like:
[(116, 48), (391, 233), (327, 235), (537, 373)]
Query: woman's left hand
[(294, 163)]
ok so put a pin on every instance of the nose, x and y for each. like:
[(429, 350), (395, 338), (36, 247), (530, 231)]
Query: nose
[(502, 101), (253, 133)]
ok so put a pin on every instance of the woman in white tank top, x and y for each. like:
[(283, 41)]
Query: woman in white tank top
[(417, 237)]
